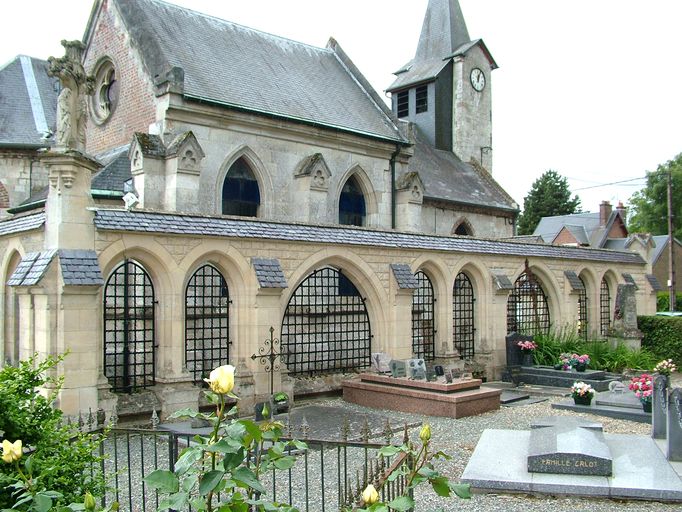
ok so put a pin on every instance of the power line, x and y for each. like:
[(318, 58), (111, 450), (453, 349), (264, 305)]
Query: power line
[(607, 184)]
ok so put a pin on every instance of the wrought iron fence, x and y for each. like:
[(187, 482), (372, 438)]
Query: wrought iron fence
[(330, 475)]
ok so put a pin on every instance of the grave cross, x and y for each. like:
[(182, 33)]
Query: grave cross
[(268, 355)]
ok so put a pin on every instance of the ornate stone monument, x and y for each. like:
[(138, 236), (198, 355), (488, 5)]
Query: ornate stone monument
[(624, 328)]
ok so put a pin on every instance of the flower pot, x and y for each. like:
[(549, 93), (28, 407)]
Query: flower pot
[(527, 359), (580, 367), (582, 400), (646, 406)]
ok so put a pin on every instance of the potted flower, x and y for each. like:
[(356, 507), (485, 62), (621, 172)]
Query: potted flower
[(643, 388), (566, 362), (280, 402), (665, 368), (582, 393), (581, 362), (527, 348)]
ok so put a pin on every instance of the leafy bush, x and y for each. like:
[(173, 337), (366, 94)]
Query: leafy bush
[(663, 301), (63, 463), (662, 336)]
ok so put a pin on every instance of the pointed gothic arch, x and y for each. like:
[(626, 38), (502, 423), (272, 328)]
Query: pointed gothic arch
[(423, 318), (462, 227), (604, 307), (240, 191), (259, 173), (463, 315), (356, 205), (527, 305)]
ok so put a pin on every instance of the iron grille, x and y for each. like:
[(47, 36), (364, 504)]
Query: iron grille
[(463, 327), (129, 355), (325, 326), (582, 311), (527, 308), (605, 307), (207, 324), (423, 325)]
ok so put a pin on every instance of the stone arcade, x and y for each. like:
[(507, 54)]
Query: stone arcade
[(257, 202)]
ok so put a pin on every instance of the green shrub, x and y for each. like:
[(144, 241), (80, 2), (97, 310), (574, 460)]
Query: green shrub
[(662, 336), (663, 301), (63, 460)]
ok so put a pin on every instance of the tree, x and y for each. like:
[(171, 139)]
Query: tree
[(549, 196), (649, 206)]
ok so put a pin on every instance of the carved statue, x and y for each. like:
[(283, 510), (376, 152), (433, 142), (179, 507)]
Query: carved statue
[(71, 103)]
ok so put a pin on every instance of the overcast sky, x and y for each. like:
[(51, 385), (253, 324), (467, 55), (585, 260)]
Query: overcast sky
[(589, 88)]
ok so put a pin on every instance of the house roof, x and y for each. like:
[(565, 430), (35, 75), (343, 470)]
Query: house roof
[(28, 103), (277, 76), (548, 227), (447, 178), (230, 227)]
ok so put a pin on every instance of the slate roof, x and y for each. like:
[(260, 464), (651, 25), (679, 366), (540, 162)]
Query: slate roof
[(115, 172), (446, 177), (31, 268), (404, 276), (548, 227), (152, 222), (276, 76), (655, 284), (19, 224), (269, 273), (574, 280), (80, 267), (28, 102), (502, 281)]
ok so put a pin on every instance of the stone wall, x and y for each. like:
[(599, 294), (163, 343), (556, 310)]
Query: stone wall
[(21, 175)]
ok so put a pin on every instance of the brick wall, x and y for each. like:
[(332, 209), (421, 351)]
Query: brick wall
[(136, 107)]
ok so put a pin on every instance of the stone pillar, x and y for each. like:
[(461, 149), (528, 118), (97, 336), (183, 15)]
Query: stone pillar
[(399, 343), (26, 324), (267, 314), (409, 200)]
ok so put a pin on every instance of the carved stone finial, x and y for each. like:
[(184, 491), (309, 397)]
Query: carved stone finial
[(71, 104)]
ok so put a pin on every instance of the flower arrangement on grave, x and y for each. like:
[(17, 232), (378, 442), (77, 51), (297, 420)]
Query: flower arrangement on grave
[(568, 361), (643, 387), (527, 347), (582, 390), (665, 367)]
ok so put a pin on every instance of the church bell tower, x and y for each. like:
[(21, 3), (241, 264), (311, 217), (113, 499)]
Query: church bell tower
[(445, 90)]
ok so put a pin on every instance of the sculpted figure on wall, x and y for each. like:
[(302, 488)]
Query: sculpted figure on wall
[(71, 104)]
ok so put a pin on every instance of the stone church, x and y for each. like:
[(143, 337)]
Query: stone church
[(213, 192)]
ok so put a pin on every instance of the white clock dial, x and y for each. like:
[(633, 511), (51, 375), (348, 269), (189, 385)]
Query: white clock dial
[(477, 79)]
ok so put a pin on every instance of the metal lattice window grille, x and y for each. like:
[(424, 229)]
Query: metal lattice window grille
[(207, 324), (326, 327), (129, 353), (583, 308), (604, 307), (423, 324), (527, 308), (463, 325)]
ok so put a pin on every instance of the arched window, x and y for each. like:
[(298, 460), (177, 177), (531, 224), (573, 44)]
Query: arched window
[(11, 311), (527, 308), (463, 327), (583, 311), (604, 307), (352, 210), (241, 195), (207, 327), (423, 328), (326, 326), (129, 356), (463, 228)]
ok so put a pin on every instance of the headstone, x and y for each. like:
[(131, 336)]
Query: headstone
[(448, 377), (416, 369), (466, 376), (659, 416), (514, 356), (381, 362), (565, 445), (674, 451), (398, 368), (431, 374), (439, 370)]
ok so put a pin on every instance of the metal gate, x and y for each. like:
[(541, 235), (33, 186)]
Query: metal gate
[(527, 308), (129, 355), (423, 325), (463, 326)]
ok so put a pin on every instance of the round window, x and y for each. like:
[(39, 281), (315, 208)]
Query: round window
[(105, 94)]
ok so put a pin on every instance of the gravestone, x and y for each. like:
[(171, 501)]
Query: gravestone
[(416, 369), (514, 357), (624, 327), (448, 377), (674, 452), (569, 446), (431, 374), (381, 362), (398, 368), (659, 416), (439, 370)]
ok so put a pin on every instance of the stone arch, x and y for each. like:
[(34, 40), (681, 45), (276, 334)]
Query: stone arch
[(439, 274), (4, 197), (462, 227), (260, 172), (607, 304), (481, 323), (517, 306), (589, 279), (368, 191), (9, 321)]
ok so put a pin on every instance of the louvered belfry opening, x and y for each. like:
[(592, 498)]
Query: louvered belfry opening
[(129, 337), (604, 308), (207, 322), (423, 322), (326, 327), (527, 307), (463, 326)]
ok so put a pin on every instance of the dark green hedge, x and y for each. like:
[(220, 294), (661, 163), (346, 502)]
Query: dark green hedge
[(662, 336), (663, 301)]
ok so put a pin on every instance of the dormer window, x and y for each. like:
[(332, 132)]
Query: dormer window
[(403, 104), (422, 103)]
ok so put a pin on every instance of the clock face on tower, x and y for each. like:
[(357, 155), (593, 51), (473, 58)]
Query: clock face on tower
[(477, 79)]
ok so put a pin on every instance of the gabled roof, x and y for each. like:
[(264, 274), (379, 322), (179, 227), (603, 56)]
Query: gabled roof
[(276, 76), (581, 225), (28, 103), (447, 178)]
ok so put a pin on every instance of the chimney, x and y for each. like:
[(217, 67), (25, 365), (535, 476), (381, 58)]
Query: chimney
[(604, 212), (623, 212)]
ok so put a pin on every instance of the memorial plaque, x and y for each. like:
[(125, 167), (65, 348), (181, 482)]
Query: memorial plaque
[(617, 387), (431, 374), (381, 362), (398, 368), (448, 377), (439, 370), (466, 376), (416, 369), (569, 446)]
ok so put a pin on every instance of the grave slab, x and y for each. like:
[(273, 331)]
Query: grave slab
[(611, 399), (509, 397), (619, 410)]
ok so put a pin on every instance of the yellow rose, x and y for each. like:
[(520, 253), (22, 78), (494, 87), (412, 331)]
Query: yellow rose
[(370, 495), (425, 433), (221, 380), (11, 451)]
